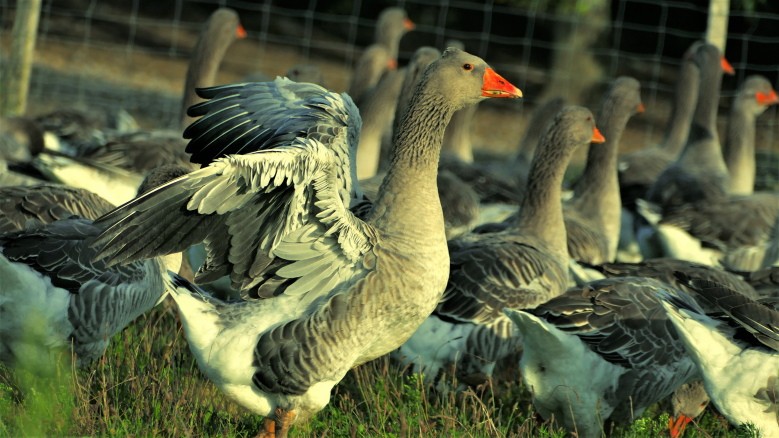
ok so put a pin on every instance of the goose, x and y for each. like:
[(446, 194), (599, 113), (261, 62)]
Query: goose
[(604, 351), (501, 187), (734, 347), (75, 130), (54, 297), (220, 30), (305, 73), (382, 55), (377, 110), (368, 70), (23, 207), (687, 403), (540, 118), (639, 169), (754, 96), (391, 25), (765, 281), (593, 214), (521, 266), (460, 203), (665, 269), (273, 211), (699, 173), (20, 140), (115, 166), (733, 231)]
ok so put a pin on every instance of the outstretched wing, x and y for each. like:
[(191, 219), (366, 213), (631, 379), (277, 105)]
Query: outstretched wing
[(244, 118), (279, 185)]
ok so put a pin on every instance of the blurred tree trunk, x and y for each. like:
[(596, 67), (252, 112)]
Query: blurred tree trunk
[(574, 70), (15, 75), (717, 29)]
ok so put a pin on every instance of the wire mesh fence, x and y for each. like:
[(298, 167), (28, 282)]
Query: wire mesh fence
[(133, 54)]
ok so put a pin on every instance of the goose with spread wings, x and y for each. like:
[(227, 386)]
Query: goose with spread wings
[(273, 209)]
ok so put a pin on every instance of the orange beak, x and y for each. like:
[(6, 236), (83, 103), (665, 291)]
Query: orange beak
[(597, 137), (494, 85), (240, 32), (676, 427), (392, 64), (766, 99), (726, 67), (408, 24), (640, 108)]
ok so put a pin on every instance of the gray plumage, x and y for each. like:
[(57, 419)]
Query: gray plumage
[(602, 351), (521, 266), (273, 208), (593, 215), (735, 350), (639, 169), (24, 206), (89, 302), (699, 173)]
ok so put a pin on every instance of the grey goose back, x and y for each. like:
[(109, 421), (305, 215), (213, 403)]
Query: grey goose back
[(55, 296), (273, 211), (735, 347), (521, 266), (667, 269), (26, 206), (604, 351)]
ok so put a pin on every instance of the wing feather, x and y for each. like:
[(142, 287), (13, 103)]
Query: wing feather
[(276, 183), (491, 272)]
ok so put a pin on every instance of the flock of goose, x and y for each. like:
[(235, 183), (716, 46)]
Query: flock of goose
[(325, 230)]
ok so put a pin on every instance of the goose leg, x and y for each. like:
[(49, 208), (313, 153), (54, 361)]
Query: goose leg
[(278, 427), (268, 429), (284, 419)]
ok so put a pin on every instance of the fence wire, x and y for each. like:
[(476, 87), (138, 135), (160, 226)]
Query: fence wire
[(103, 54)]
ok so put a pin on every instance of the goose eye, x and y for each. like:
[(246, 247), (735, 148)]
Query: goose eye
[(467, 67)]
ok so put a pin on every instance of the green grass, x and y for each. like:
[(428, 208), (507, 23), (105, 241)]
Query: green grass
[(148, 384)]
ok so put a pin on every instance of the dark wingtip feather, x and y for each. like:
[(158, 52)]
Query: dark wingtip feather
[(179, 281)]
